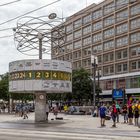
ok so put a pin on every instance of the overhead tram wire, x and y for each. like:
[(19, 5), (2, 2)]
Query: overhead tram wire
[(10, 3), (29, 12)]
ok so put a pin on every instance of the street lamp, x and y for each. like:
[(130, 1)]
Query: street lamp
[(40, 37), (98, 75), (94, 62)]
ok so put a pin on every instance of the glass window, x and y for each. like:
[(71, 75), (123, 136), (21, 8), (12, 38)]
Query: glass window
[(77, 44), (109, 45), (106, 70), (69, 47), (118, 55), (135, 23), (125, 54), (99, 59), (97, 37), (112, 69), (97, 26), (135, 9), (125, 67), (108, 21), (77, 23), (121, 3), (138, 64), (106, 58), (122, 15), (109, 33), (111, 56), (76, 54), (86, 30), (122, 28), (97, 14), (133, 51), (122, 41), (86, 51), (135, 37), (119, 67), (77, 34), (109, 8), (69, 37), (97, 48), (133, 65), (86, 19), (87, 41), (69, 28)]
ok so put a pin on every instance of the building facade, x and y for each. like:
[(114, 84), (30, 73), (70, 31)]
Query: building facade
[(110, 31)]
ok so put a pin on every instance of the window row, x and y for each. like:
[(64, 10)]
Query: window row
[(107, 33), (134, 10)]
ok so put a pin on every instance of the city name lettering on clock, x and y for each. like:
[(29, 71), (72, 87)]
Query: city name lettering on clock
[(40, 75)]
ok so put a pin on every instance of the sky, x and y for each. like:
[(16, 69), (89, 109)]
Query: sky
[(8, 50)]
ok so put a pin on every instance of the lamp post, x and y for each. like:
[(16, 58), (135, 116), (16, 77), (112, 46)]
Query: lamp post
[(98, 75), (94, 63), (40, 37)]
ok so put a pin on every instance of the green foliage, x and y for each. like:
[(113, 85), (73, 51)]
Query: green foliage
[(4, 93), (81, 85)]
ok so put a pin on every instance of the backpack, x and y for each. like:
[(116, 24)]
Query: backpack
[(114, 110), (136, 108)]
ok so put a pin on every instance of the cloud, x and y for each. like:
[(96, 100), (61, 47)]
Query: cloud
[(8, 50)]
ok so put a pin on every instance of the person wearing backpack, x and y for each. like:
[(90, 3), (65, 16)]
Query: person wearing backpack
[(136, 114), (102, 111), (114, 114)]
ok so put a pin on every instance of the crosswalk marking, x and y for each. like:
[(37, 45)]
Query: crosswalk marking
[(60, 135)]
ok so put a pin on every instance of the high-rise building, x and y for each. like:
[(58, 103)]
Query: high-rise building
[(111, 31)]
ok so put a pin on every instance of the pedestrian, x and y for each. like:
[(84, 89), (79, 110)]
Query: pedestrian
[(102, 112), (136, 113), (55, 111), (25, 111), (114, 114), (130, 114), (125, 113), (118, 111), (47, 111)]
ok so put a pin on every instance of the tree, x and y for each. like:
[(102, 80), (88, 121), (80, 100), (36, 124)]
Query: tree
[(81, 85), (4, 93)]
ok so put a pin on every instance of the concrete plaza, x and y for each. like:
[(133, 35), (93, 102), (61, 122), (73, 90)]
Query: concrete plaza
[(77, 126)]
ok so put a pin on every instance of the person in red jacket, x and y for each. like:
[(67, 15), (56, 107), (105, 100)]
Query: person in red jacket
[(114, 114)]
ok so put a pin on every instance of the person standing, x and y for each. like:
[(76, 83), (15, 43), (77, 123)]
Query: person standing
[(114, 115), (47, 111), (118, 111), (102, 112), (130, 114), (136, 113), (125, 113)]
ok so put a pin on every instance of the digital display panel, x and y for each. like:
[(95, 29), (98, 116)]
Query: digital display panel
[(117, 93), (49, 75)]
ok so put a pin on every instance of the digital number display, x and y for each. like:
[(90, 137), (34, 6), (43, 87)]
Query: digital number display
[(40, 75)]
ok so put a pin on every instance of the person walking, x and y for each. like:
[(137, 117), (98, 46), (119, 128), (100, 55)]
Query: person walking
[(102, 112), (114, 115)]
